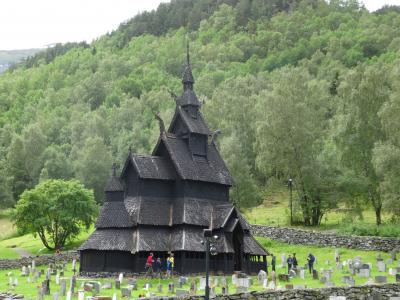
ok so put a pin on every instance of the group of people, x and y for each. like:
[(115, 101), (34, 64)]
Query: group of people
[(154, 268), (292, 262)]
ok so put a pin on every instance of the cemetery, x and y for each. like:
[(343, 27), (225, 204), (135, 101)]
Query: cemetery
[(371, 269)]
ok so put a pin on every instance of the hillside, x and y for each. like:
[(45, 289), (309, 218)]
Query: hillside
[(10, 57), (303, 89)]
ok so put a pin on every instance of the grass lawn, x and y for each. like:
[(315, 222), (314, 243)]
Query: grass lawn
[(325, 259), (275, 211), (30, 290)]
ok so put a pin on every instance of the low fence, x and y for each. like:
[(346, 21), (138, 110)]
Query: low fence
[(307, 237)]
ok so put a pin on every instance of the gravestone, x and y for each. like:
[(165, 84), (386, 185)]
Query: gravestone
[(225, 290), (69, 295), (73, 265), (315, 274), (265, 283), (212, 292), (63, 286), (33, 265), (392, 271), (302, 274), (323, 279), (132, 281), (81, 295), (24, 271), (107, 285), (348, 280), (121, 277), (183, 293), (55, 296), (283, 260), (234, 279), (397, 269), (223, 281), (57, 279), (125, 292), (381, 266), (262, 275), (203, 283), (117, 284), (171, 287), (292, 273), (389, 261), (380, 279), (40, 294), (327, 274), (87, 287), (289, 286), (159, 288), (283, 277), (398, 277), (216, 281), (365, 273), (193, 288), (73, 284)]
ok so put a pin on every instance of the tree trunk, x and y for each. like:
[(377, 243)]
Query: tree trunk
[(378, 214)]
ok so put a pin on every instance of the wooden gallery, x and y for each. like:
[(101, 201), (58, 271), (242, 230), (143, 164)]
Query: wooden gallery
[(161, 203)]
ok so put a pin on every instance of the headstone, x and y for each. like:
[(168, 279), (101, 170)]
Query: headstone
[(24, 271), (262, 275), (292, 273), (159, 288), (74, 265), (216, 281), (225, 291), (302, 274), (183, 293), (315, 274), (73, 284), (107, 285), (87, 287), (234, 279), (265, 283), (125, 292), (283, 260), (69, 295), (397, 270), (289, 286), (114, 297), (121, 277), (81, 295), (283, 277), (203, 283), (171, 287), (389, 261), (55, 296), (323, 279), (15, 281), (63, 286), (366, 273), (392, 271), (40, 294), (398, 277), (380, 279), (132, 281), (223, 281), (57, 279), (381, 266), (193, 288), (117, 284)]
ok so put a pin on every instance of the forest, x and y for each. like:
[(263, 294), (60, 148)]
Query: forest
[(307, 90)]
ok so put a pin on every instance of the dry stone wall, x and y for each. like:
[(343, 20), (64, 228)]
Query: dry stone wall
[(39, 260), (381, 292), (307, 237)]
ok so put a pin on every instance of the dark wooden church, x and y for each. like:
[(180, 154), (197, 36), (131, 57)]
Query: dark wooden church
[(161, 203)]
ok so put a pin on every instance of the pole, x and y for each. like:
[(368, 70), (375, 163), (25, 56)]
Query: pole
[(291, 202), (207, 295)]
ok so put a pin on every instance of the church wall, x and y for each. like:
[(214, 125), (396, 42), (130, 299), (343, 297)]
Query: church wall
[(205, 190), (131, 181), (156, 188)]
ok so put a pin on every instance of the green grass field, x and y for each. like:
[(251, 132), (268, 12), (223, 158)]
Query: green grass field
[(30, 290)]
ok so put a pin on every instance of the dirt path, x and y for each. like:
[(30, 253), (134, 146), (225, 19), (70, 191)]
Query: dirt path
[(22, 252)]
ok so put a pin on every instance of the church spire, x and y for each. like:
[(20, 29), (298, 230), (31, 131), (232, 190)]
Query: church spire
[(188, 97)]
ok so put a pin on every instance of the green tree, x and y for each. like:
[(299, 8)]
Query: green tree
[(358, 128), (56, 211)]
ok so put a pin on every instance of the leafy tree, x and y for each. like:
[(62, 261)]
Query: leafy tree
[(56, 211), (362, 94)]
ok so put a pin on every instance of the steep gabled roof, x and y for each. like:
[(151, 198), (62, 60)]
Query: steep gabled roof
[(252, 246), (212, 169), (194, 123), (150, 167), (147, 210), (113, 214), (109, 239)]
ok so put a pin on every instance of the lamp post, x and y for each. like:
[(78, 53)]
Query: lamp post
[(210, 249), (290, 183)]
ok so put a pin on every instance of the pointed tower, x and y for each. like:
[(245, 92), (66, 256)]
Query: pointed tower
[(114, 190)]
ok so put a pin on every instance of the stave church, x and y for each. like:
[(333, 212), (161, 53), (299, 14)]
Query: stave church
[(161, 203)]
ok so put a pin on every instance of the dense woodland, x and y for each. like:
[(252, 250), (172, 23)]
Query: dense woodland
[(302, 89)]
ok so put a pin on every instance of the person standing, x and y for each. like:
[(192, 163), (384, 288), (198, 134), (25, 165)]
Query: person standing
[(149, 265), (170, 265), (295, 263), (310, 260), (158, 268), (289, 263), (273, 262)]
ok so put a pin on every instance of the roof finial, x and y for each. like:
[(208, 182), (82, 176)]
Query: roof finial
[(160, 122), (130, 149), (114, 167), (187, 53)]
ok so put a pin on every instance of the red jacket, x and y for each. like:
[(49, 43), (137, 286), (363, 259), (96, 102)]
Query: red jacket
[(150, 260)]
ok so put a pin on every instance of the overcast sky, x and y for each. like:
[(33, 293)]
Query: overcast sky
[(37, 23)]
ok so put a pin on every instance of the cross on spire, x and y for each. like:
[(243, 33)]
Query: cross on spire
[(114, 168)]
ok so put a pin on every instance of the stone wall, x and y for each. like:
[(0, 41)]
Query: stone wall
[(308, 237), (382, 292), (39, 260)]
